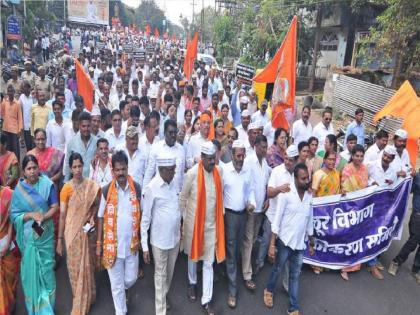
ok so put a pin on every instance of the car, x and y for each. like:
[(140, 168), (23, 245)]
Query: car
[(208, 60)]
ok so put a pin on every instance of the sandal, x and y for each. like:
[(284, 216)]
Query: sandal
[(344, 275), (250, 285), (231, 302), (268, 299)]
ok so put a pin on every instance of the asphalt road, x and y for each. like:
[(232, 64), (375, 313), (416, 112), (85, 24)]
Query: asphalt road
[(323, 294)]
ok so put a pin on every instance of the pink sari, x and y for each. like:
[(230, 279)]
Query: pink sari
[(50, 160)]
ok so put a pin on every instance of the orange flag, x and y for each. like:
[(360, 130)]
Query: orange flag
[(85, 86), (190, 55), (405, 104), (147, 29), (156, 33), (282, 72)]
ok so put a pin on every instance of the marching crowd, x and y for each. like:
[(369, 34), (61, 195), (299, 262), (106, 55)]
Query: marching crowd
[(161, 165)]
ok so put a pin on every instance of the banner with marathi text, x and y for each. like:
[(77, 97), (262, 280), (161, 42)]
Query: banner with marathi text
[(357, 227)]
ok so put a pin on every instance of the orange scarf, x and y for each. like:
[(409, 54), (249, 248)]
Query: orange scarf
[(200, 215), (206, 116), (110, 223)]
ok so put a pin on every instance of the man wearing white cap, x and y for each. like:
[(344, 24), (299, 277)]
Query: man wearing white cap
[(194, 145), (402, 160), (260, 173), (252, 104), (279, 182), (243, 127), (239, 198), (131, 149), (203, 229), (254, 129), (261, 115), (162, 216), (96, 123)]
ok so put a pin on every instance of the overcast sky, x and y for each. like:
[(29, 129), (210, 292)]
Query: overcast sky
[(176, 7)]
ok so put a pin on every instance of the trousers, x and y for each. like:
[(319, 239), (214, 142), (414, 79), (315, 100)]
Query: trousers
[(253, 225), (207, 278), (412, 243), (122, 276), (165, 260)]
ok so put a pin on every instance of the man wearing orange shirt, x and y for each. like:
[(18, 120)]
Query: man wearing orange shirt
[(12, 121)]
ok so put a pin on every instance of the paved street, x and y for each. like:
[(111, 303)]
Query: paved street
[(324, 294)]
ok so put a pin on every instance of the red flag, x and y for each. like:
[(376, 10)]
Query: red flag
[(85, 86), (156, 33), (147, 29), (282, 71), (190, 56)]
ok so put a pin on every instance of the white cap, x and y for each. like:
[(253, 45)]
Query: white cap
[(239, 144), (292, 151), (165, 160), (244, 100), (208, 148), (171, 76), (221, 88), (401, 133), (166, 79), (390, 149), (254, 125), (96, 111), (245, 113)]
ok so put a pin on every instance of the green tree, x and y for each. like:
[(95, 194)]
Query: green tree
[(225, 37)]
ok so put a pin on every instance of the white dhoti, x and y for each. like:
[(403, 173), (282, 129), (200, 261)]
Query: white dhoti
[(122, 276), (165, 260), (207, 278)]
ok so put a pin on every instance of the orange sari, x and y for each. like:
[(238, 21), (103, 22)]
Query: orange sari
[(9, 263), (7, 162)]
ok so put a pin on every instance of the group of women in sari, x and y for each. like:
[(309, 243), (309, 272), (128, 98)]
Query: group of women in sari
[(27, 242)]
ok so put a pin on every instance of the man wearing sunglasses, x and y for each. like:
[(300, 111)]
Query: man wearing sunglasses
[(324, 128)]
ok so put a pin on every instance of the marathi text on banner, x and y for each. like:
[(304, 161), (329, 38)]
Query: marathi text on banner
[(356, 228), (88, 11)]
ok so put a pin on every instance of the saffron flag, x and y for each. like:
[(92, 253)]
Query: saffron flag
[(190, 55), (406, 105), (85, 86), (156, 33), (282, 72)]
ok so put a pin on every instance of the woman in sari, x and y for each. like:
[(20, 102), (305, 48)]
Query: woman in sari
[(9, 165), (188, 116), (34, 202), (313, 147), (9, 255), (79, 201), (50, 159), (219, 132), (277, 152), (326, 182), (330, 144), (227, 124)]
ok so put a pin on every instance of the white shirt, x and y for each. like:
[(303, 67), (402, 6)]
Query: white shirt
[(56, 135), (194, 149), (26, 103), (279, 176), (320, 132), (113, 140), (242, 133), (69, 99), (346, 155), (238, 188), (402, 163), (293, 219), (260, 173), (160, 213), (124, 220), (263, 119), (301, 132), (135, 164), (176, 151), (101, 176), (372, 154), (269, 131), (152, 92), (115, 100), (378, 175)]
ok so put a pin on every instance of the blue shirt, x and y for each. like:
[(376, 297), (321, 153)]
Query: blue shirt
[(358, 130), (416, 193)]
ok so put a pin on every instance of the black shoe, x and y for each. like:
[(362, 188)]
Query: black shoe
[(208, 309), (192, 292)]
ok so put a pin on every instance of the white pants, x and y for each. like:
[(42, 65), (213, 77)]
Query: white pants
[(122, 276), (207, 278), (164, 270)]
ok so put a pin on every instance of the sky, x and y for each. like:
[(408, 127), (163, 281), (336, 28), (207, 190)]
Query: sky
[(176, 7)]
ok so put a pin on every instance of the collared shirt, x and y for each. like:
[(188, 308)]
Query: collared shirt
[(263, 119), (30, 77), (39, 117), (320, 132), (269, 132), (402, 163), (238, 188), (176, 151), (294, 218), (44, 85), (356, 129), (135, 167), (124, 220), (101, 176), (260, 173), (301, 131), (69, 99), (113, 140), (154, 89), (161, 213), (26, 103), (372, 154), (86, 151), (379, 175), (56, 133), (11, 112), (194, 149), (242, 133), (279, 176)]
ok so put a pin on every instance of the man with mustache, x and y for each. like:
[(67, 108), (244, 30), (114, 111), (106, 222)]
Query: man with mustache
[(302, 128), (402, 160)]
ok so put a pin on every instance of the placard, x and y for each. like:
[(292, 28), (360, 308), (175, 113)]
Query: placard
[(13, 28), (139, 53), (245, 72)]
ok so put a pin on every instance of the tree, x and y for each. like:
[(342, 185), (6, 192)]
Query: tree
[(225, 37)]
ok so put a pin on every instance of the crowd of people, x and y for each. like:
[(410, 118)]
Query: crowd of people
[(161, 165)]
